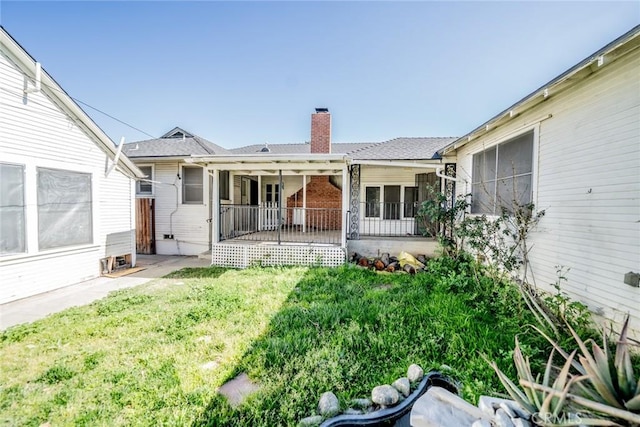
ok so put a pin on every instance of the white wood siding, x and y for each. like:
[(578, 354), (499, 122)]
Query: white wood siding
[(588, 181), (187, 222), (34, 132)]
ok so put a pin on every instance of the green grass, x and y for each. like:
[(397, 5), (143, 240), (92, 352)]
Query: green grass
[(135, 357)]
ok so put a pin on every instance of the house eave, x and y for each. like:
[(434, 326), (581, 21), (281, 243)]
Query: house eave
[(608, 54), (51, 88)]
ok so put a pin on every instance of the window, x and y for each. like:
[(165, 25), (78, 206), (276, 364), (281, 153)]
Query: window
[(192, 187), (410, 201), (224, 185), (372, 208), (64, 208), (145, 188), (12, 209), (502, 175), (391, 202)]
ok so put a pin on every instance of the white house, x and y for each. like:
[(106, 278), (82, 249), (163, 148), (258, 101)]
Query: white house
[(66, 210), (288, 197), (574, 146)]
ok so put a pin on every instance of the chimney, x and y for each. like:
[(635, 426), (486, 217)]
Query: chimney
[(321, 131)]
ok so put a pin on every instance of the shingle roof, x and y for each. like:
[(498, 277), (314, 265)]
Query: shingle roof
[(172, 147), (336, 148), (403, 149)]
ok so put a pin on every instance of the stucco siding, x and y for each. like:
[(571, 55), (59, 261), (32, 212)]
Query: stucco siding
[(588, 181), (36, 133)]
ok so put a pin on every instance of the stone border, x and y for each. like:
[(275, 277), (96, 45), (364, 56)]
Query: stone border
[(431, 379)]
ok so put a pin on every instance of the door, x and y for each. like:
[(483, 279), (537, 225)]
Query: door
[(145, 226), (269, 212)]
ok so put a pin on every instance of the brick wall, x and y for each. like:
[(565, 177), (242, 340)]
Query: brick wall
[(321, 194), (321, 131)]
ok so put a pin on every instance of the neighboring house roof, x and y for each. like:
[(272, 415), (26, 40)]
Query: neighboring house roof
[(175, 143), (403, 149), (304, 148), (58, 96), (628, 41)]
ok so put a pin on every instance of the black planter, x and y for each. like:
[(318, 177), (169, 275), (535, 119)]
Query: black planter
[(397, 415)]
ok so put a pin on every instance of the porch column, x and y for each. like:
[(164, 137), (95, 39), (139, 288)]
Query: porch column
[(215, 195), (345, 204), (259, 202), (304, 203), (232, 196)]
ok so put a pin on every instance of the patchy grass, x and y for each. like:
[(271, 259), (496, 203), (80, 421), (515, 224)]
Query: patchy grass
[(137, 356)]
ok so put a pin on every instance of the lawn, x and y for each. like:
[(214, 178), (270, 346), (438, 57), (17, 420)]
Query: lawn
[(156, 354)]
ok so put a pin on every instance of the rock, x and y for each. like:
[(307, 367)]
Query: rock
[(385, 258), (502, 419), (403, 386), (352, 411), (385, 395), (481, 423), (485, 403), (507, 409), (237, 389), (312, 421), (440, 407), (361, 403), (415, 373), (490, 404), (328, 406)]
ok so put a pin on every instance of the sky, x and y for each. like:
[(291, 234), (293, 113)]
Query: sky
[(240, 73)]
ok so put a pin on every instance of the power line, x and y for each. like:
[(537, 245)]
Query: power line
[(88, 105)]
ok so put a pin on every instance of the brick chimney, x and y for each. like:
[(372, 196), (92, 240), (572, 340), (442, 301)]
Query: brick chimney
[(321, 131)]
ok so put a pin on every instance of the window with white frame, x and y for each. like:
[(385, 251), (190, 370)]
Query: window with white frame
[(192, 185), (503, 175), (372, 202), (143, 186), (65, 216), (12, 209)]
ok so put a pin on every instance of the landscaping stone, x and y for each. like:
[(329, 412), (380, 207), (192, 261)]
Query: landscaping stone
[(481, 423), (238, 389), (415, 373), (311, 421), (361, 403), (328, 405), (351, 411), (403, 386), (385, 395), (507, 409), (521, 422), (502, 419)]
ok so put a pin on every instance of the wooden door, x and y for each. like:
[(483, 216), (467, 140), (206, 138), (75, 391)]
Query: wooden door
[(145, 226)]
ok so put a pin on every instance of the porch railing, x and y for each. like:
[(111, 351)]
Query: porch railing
[(271, 223), (392, 219)]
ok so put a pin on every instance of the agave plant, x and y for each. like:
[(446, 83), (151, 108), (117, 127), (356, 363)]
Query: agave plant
[(611, 377), (547, 401)]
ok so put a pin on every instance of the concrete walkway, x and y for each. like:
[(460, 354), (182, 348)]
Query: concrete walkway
[(39, 306)]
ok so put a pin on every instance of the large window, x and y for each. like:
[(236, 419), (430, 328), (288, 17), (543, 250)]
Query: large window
[(391, 202), (192, 187), (410, 201), (372, 208), (145, 188), (12, 209), (502, 176), (64, 208)]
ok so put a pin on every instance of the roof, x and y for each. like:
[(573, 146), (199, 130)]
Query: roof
[(170, 146), (403, 149), (584, 68), (304, 148), (54, 91)]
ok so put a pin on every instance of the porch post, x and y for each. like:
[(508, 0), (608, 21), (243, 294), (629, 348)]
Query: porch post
[(304, 203), (215, 195), (345, 204), (259, 202), (232, 197), (280, 203)]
